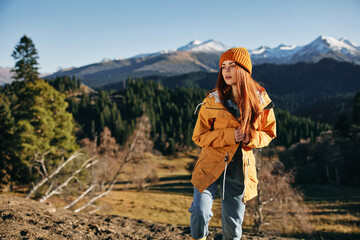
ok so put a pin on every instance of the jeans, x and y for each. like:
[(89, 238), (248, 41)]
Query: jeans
[(232, 207)]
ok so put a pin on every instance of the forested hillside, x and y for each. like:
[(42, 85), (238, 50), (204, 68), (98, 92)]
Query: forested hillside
[(171, 113), (322, 91), (172, 118)]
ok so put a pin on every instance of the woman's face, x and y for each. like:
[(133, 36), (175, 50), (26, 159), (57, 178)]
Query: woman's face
[(228, 70)]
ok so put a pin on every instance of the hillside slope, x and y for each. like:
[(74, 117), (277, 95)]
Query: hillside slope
[(176, 63), (29, 219)]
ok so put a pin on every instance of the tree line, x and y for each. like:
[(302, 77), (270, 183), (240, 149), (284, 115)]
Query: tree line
[(322, 91), (171, 112)]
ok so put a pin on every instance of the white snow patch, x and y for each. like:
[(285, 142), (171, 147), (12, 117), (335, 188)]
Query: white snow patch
[(207, 46)]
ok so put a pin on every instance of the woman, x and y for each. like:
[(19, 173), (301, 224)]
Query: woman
[(234, 118)]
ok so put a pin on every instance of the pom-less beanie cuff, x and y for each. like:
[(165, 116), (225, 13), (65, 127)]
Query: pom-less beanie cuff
[(239, 55)]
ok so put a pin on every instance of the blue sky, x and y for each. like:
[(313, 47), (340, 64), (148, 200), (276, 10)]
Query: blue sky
[(75, 33)]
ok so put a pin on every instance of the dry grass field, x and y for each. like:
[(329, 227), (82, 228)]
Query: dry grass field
[(166, 201), (334, 212)]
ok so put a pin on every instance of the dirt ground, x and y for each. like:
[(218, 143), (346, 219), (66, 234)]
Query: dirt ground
[(28, 219)]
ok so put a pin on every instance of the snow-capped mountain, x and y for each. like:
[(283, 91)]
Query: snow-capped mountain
[(280, 55), (204, 56), (321, 47), (344, 40), (190, 45), (207, 46), (193, 46), (106, 60)]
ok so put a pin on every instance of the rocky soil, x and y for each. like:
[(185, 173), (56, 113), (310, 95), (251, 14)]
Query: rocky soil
[(28, 219)]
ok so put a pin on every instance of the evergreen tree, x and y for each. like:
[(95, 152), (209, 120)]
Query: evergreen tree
[(42, 125), (73, 105), (27, 55), (93, 129), (7, 126)]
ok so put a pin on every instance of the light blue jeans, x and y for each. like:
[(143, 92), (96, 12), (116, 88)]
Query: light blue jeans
[(232, 207)]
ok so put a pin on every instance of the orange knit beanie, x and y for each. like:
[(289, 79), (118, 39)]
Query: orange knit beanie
[(239, 55)]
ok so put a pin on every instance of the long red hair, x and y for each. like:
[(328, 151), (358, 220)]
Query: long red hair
[(248, 100)]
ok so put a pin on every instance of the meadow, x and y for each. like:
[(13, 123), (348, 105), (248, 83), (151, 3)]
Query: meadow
[(334, 212)]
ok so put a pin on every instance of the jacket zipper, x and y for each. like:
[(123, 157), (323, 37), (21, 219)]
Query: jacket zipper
[(226, 160), (245, 176), (217, 108)]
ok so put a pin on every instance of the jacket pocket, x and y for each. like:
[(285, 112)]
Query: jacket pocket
[(201, 158), (221, 123)]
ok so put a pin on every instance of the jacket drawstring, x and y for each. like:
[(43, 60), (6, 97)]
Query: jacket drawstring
[(226, 159), (197, 107)]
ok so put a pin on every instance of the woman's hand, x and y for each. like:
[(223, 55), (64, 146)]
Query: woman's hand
[(241, 137)]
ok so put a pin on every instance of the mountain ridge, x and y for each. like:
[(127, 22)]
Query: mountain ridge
[(204, 56)]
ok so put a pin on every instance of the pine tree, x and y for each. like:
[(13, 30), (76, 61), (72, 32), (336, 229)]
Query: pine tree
[(42, 125), (7, 126), (102, 122), (27, 55), (73, 84), (93, 129)]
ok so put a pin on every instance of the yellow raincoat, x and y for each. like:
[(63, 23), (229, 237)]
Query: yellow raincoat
[(215, 133)]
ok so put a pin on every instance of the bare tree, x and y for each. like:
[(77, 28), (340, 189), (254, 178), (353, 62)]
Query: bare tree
[(59, 189), (137, 143), (44, 173), (102, 165), (328, 145), (278, 202), (110, 155)]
